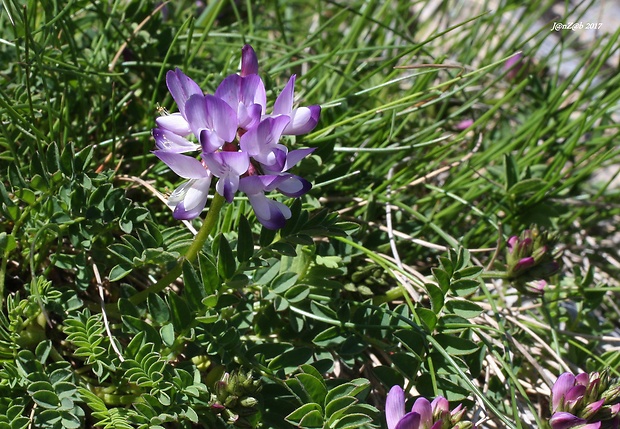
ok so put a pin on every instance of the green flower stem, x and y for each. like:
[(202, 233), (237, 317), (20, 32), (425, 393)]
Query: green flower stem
[(495, 275), (192, 252)]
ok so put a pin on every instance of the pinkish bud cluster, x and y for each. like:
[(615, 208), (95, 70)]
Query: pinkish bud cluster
[(530, 257), (585, 401)]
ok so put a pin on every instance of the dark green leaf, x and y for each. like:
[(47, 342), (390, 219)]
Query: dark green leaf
[(126, 307), (226, 265), (464, 308), (290, 360), (126, 253), (119, 271), (158, 309), (329, 337), (407, 363), (389, 376), (266, 236), (52, 158), (446, 265), (208, 272), (323, 311), (312, 420), (70, 421), (284, 248), (511, 171), (66, 159), (245, 240), (314, 387), (443, 279), (26, 195), (350, 421), (283, 282), (428, 317), (137, 326), (527, 186), (352, 388), (468, 273), (45, 398), (181, 315), (194, 290), (296, 416), (297, 293), (464, 287), (39, 183), (412, 340), (456, 346), (338, 407), (436, 295)]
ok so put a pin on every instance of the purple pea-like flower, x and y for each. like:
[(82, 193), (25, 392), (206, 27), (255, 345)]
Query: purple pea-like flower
[(302, 119), (189, 199), (423, 414), (239, 143), (271, 213), (228, 166), (212, 121), (524, 264), (564, 420), (395, 410), (567, 390), (168, 141), (584, 401), (181, 88)]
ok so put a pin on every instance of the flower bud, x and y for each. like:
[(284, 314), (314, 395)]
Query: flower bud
[(592, 408), (248, 402)]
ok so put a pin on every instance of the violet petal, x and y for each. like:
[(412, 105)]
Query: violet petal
[(303, 120), (185, 166), (181, 88), (395, 406), (249, 61)]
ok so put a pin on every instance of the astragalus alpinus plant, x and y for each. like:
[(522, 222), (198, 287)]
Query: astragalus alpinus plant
[(188, 240)]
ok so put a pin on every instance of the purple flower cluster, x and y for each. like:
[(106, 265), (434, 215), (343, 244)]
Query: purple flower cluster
[(423, 414), (585, 401), (239, 142)]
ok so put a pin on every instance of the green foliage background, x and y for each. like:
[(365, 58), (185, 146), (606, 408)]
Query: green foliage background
[(391, 271)]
